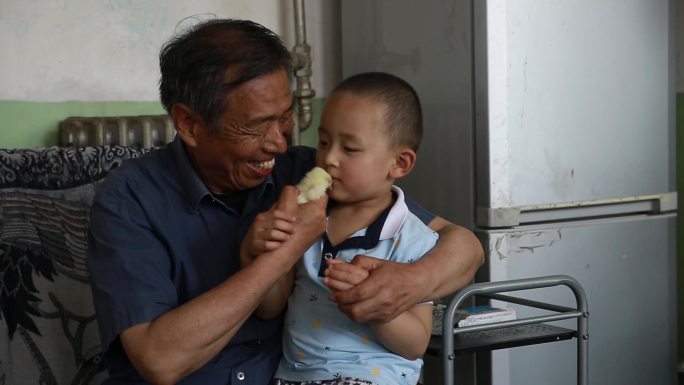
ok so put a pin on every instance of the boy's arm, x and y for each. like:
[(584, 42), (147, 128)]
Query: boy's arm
[(408, 334), (274, 301)]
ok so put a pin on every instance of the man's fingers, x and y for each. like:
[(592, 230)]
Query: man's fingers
[(368, 263), (279, 228), (309, 224), (271, 245), (382, 296), (312, 215), (321, 202), (283, 216), (369, 310), (287, 201), (354, 295)]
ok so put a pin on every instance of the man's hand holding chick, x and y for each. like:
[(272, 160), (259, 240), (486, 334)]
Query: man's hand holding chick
[(292, 213), (287, 224)]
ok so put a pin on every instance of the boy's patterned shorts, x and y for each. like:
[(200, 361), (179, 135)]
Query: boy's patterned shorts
[(339, 381)]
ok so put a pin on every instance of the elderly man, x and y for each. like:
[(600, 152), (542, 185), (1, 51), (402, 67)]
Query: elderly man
[(172, 303)]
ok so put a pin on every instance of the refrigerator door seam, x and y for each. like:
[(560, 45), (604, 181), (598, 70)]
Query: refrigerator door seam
[(493, 217)]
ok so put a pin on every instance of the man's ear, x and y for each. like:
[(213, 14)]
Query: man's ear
[(403, 162), (187, 122)]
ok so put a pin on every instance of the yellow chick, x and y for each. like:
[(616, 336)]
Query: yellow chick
[(313, 185)]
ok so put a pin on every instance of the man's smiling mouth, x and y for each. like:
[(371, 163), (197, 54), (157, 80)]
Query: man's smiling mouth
[(265, 165)]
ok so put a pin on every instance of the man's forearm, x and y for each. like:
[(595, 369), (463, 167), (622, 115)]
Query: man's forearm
[(452, 263), (187, 337)]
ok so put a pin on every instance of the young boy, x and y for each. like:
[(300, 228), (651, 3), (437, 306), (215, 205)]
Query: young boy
[(369, 134)]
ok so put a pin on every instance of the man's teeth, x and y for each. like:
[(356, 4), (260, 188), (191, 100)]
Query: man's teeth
[(265, 165)]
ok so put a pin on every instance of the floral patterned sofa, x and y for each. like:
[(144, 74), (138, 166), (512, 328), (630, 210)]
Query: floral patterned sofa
[(48, 332)]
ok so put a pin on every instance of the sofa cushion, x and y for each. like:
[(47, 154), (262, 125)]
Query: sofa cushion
[(46, 310)]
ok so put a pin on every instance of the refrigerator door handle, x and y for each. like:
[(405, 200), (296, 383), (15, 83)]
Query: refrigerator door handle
[(497, 217)]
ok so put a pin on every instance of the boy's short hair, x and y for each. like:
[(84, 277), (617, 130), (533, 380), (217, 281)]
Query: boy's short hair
[(404, 118)]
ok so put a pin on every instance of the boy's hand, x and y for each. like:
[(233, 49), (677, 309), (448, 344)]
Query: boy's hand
[(341, 275)]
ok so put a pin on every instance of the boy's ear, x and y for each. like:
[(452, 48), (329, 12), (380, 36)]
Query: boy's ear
[(403, 162), (187, 123)]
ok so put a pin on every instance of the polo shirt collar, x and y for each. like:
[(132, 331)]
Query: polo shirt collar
[(396, 217), (193, 186), (385, 226)]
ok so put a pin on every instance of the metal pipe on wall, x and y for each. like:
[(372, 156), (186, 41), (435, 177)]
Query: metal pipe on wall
[(301, 55)]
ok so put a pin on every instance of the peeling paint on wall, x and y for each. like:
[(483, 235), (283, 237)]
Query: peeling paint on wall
[(508, 245)]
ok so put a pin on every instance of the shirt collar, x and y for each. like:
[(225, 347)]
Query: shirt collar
[(385, 226), (396, 216), (193, 186)]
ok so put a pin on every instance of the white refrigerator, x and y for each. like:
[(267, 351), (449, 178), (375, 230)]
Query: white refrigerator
[(549, 130)]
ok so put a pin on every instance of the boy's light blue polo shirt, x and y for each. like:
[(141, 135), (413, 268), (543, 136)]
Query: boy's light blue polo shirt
[(322, 343)]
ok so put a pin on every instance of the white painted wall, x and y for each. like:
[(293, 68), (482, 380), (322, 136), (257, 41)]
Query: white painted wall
[(107, 50)]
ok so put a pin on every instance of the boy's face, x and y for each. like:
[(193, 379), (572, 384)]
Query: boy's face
[(354, 148)]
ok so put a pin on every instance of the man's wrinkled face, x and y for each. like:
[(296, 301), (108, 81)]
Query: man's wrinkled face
[(241, 152)]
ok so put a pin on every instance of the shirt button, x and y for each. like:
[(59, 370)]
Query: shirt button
[(241, 376)]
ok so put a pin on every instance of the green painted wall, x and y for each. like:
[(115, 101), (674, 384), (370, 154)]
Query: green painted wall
[(36, 124)]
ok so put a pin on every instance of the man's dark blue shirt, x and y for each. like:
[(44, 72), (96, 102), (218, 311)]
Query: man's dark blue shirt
[(158, 238)]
